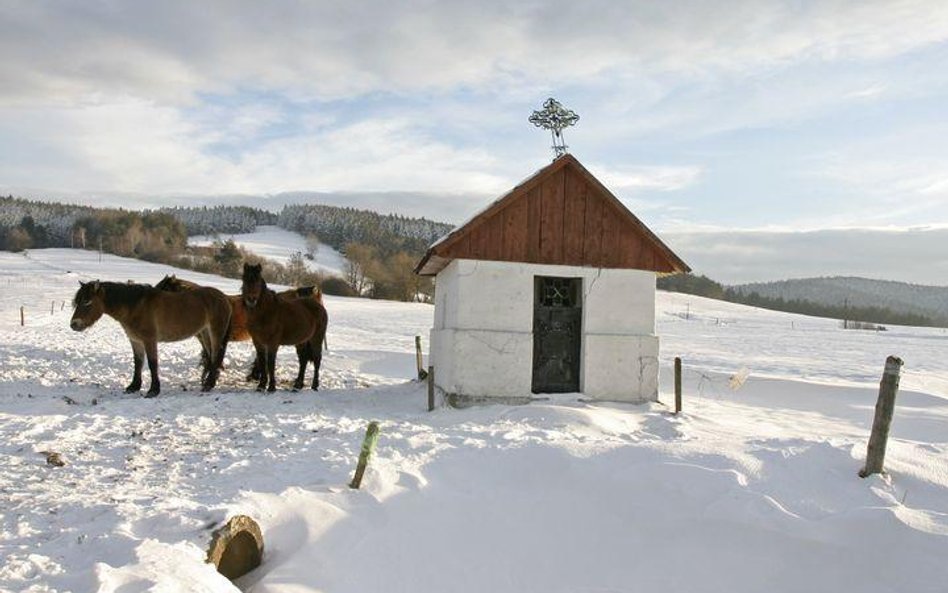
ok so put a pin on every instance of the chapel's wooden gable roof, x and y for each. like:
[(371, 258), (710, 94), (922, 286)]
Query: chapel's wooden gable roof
[(562, 215)]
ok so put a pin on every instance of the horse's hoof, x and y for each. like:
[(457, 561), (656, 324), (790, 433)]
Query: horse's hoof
[(152, 393), (271, 389), (133, 388)]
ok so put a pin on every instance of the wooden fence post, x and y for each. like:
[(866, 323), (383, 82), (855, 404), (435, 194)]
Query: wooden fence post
[(431, 386), (52, 307), (885, 406), (368, 445), (677, 384), (418, 363), (22, 318)]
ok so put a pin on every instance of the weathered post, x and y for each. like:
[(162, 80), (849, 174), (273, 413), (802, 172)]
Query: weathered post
[(431, 386), (22, 318), (368, 445), (677, 384), (885, 406), (421, 371), (52, 307)]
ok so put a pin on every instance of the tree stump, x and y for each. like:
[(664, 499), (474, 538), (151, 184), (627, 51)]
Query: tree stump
[(236, 547)]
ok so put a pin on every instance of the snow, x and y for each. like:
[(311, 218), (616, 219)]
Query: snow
[(272, 242), (747, 490)]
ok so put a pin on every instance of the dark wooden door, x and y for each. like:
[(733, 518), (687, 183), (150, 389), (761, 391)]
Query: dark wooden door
[(557, 334)]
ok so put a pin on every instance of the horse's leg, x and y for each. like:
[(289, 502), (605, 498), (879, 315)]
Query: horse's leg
[(271, 367), (151, 352), (213, 368), (302, 355), (255, 369), (138, 351), (261, 356)]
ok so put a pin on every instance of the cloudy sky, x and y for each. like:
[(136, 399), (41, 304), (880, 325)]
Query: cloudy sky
[(743, 129)]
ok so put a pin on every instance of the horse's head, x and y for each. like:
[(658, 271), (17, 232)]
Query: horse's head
[(253, 285), (88, 304)]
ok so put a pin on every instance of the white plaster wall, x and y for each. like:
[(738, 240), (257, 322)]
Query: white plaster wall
[(483, 363), (446, 298), (620, 368), (482, 341)]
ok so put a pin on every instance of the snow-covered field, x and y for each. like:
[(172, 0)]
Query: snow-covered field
[(279, 245), (749, 490)]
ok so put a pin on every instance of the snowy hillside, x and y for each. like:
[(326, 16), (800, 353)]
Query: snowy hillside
[(279, 245), (749, 490)]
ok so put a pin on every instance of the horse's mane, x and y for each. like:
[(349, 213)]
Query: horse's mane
[(117, 294)]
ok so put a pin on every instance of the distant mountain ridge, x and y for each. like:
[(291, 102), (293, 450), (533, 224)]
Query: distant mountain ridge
[(842, 291)]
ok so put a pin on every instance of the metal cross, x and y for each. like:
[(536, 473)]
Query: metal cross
[(555, 118)]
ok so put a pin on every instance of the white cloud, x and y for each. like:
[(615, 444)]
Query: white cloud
[(130, 144), (171, 50), (642, 177), (251, 97), (137, 146)]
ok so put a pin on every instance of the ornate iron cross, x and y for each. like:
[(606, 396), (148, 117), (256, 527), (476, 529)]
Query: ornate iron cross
[(555, 118)]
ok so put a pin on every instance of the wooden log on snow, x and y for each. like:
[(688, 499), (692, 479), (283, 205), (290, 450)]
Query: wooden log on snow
[(236, 547)]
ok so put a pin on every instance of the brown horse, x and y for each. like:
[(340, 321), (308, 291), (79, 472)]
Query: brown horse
[(149, 316), (273, 321), (238, 321)]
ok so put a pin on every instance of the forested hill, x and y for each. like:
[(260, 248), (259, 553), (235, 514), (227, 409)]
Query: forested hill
[(333, 225), (22, 221), (336, 226), (25, 224), (846, 291), (221, 220), (31, 223)]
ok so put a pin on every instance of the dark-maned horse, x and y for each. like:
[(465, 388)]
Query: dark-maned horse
[(149, 316), (238, 320), (274, 321)]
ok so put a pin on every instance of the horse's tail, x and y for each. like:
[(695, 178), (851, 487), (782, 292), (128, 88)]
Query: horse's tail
[(225, 340), (324, 319)]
